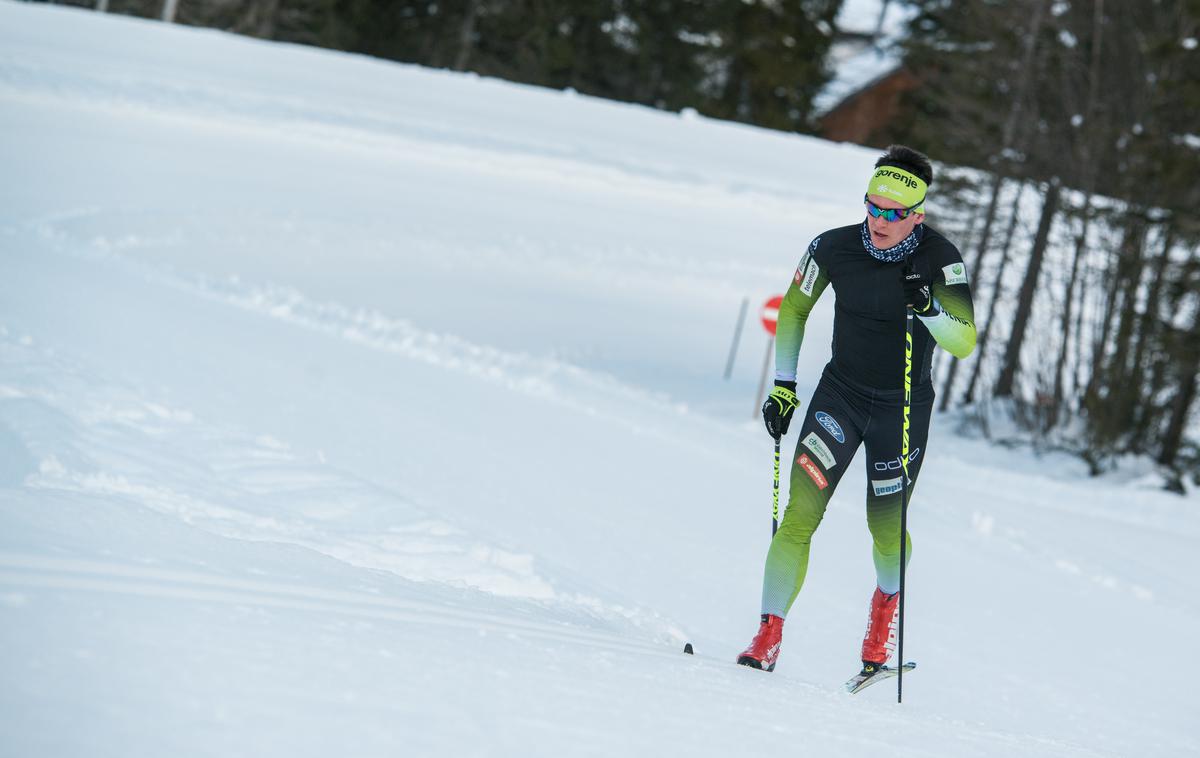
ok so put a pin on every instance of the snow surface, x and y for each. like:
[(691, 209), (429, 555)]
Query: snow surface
[(350, 408), (888, 17)]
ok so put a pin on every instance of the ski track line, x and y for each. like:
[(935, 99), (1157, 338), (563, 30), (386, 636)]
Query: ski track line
[(23, 570), (545, 378), (369, 328), (26, 571)]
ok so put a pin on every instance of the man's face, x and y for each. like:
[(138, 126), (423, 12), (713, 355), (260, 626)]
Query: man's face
[(885, 234)]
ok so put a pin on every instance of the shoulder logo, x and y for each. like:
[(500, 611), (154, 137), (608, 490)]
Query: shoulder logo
[(810, 276), (831, 425), (955, 273)]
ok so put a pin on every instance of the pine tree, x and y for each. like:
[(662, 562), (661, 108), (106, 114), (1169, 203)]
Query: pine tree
[(769, 62)]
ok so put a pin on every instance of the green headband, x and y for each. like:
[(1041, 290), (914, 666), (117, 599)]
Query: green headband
[(899, 185)]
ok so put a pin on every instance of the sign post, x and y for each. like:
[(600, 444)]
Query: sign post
[(737, 337)]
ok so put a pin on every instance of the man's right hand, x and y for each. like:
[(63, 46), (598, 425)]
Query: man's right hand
[(777, 411)]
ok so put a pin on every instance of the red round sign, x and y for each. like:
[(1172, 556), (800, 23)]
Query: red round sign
[(770, 314)]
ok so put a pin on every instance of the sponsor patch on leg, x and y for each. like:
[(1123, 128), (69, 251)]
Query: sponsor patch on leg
[(885, 486), (894, 464), (820, 450), (831, 425), (813, 471)]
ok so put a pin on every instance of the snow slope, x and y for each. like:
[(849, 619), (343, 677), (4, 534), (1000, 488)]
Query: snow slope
[(354, 408)]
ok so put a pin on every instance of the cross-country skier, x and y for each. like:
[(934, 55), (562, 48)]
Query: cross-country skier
[(860, 396)]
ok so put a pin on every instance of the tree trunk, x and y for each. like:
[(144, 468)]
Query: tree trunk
[(1184, 363), (1182, 404), (1009, 133), (258, 19), (466, 36), (997, 284), (1113, 300), (1089, 187), (949, 384), (1080, 244), (1109, 306), (1147, 335), (1079, 336), (969, 241), (1012, 354), (1107, 401), (1014, 114), (1122, 396), (269, 19), (989, 216)]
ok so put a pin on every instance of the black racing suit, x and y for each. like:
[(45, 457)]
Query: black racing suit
[(860, 396)]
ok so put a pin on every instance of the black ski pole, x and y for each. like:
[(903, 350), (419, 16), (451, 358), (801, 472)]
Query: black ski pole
[(775, 500), (908, 344)]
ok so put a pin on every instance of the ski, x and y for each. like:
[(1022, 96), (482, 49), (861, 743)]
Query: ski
[(864, 678), (857, 683)]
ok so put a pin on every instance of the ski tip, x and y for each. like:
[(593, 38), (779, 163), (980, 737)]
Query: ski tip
[(687, 648), (861, 681)]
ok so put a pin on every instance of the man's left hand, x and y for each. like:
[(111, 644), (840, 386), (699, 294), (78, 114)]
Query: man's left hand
[(916, 291)]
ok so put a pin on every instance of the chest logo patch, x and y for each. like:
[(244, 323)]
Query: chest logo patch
[(955, 273), (831, 426)]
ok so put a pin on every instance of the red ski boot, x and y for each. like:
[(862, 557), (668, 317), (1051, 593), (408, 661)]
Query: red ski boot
[(764, 648), (880, 640)]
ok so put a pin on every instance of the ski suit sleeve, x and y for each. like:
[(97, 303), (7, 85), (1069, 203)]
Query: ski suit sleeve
[(953, 326), (807, 285)]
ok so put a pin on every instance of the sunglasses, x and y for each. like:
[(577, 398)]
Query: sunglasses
[(890, 214)]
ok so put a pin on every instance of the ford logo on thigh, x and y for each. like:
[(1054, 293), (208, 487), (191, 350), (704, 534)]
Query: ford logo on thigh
[(831, 426)]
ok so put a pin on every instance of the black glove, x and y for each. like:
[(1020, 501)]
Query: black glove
[(777, 411), (916, 291)]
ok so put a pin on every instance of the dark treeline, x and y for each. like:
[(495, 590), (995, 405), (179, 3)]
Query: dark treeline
[(1088, 107), (1079, 116), (759, 62)]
